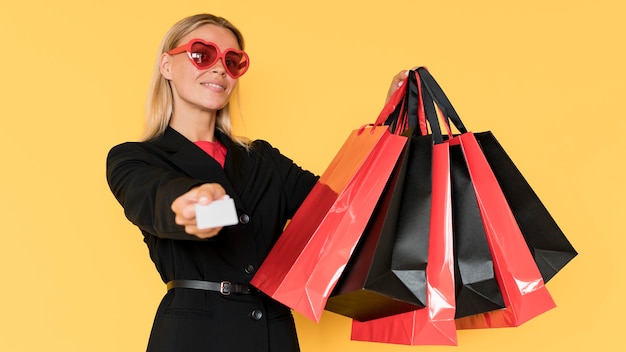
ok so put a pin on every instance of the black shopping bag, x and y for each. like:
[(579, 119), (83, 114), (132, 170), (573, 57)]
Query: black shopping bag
[(477, 290), (476, 287), (548, 244), (369, 287), (386, 274)]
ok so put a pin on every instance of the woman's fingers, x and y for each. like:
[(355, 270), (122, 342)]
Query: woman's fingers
[(184, 208)]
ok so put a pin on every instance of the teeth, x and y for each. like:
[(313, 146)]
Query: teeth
[(213, 85)]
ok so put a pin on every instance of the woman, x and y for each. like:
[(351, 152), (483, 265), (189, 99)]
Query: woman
[(188, 155)]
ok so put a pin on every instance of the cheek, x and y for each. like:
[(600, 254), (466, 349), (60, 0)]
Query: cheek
[(182, 77), (181, 68), (232, 84)]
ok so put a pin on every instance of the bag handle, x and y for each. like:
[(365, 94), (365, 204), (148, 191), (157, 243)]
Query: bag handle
[(424, 108), (413, 104), (437, 94), (416, 115), (404, 111), (420, 108), (409, 109)]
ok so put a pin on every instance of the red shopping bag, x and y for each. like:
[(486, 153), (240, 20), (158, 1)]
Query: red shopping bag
[(434, 324), (382, 278), (524, 293), (305, 263), (549, 246)]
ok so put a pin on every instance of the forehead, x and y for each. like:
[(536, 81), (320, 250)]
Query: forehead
[(221, 36)]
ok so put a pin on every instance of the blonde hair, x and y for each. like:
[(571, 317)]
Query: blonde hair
[(159, 104)]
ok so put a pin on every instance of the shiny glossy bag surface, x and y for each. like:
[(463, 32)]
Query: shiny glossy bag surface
[(545, 239), (370, 288), (304, 265), (387, 273), (524, 293), (476, 287), (549, 246), (434, 324)]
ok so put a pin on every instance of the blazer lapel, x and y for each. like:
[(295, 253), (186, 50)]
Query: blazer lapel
[(194, 161)]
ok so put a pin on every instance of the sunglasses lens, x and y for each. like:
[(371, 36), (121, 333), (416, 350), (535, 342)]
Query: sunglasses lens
[(235, 63), (203, 55)]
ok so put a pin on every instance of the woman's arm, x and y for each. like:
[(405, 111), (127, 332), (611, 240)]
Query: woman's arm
[(146, 188)]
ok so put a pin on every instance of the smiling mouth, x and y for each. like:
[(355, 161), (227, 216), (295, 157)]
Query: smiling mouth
[(213, 85)]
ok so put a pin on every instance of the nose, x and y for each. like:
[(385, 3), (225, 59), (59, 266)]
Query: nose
[(218, 67)]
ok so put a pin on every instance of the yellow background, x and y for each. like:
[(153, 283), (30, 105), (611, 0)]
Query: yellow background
[(547, 77)]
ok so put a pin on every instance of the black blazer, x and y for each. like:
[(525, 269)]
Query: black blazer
[(267, 188)]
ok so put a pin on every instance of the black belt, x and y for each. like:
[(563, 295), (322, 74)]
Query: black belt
[(224, 287)]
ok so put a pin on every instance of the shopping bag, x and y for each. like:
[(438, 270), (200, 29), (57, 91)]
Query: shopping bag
[(545, 239), (524, 293), (382, 278), (305, 263), (548, 244), (477, 289), (368, 289), (434, 324)]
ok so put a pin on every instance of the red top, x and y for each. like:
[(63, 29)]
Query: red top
[(215, 149)]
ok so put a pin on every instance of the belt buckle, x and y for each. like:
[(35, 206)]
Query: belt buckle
[(225, 288)]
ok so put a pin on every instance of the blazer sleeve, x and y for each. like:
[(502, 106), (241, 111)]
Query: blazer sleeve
[(297, 182), (145, 185)]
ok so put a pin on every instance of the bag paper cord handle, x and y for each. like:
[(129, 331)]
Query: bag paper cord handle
[(438, 95), (404, 113), (415, 106), (428, 106)]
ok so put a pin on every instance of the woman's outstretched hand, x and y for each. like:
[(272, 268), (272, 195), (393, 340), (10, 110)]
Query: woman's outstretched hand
[(185, 211)]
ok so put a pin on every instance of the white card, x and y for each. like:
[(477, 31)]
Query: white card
[(218, 213)]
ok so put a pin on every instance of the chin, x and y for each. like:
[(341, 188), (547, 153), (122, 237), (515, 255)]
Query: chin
[(212, 107), (215, 105)]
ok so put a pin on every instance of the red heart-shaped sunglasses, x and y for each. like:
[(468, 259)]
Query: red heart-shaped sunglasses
[(206, 54)]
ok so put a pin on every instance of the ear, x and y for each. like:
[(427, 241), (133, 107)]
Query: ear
[(165, 66)]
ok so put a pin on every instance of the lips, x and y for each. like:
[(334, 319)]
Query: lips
[(213, 85)]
